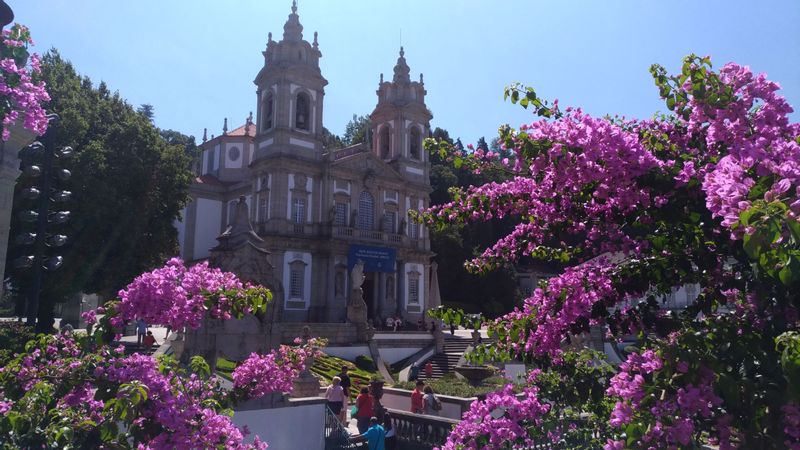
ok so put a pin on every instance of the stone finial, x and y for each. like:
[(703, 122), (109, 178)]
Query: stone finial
[(292, 30), (401, 70), (205, 134), (225, 127), (316, 44), (381, 78), (248, 124), (420, 78), (269, 37)]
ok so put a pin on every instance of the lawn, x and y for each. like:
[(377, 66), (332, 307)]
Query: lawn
[(449, 384), (325, 368)]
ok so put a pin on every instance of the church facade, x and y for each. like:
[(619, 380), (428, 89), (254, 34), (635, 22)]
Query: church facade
[(318, 211)]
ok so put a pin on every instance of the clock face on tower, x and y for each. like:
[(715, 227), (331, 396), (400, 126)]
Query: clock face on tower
[(234, 153)]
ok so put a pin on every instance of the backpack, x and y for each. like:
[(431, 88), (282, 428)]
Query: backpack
[(437, 404)]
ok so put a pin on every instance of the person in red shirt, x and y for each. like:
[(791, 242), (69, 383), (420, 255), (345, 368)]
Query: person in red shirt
[(428, 370), (365, 406), (417, 406), (149, 340)]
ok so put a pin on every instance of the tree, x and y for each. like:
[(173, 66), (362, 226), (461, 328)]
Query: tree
[(707, 196), (494, 293), (356, 131), (331, 141), (128, 185), (147, 110), (173, 137)]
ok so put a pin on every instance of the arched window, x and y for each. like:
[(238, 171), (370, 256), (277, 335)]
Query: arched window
[(385, 142), (301, 117), (414, 148), (366, 211), (268, 112)]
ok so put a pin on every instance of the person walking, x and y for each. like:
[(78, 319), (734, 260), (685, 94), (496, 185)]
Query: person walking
[(364, 407), (374, 435), (334, 394), (428, 370), (141, 331), (417, 406), (391, 437), (432, 403), (345, 383)]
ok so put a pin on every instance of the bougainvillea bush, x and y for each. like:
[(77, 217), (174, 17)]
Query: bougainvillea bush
[(21, 96), (77, 391), (705, 195)]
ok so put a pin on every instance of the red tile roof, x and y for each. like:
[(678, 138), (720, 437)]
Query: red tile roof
[(251, 131)]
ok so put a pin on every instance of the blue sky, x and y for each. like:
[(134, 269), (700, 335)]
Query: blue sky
[(194, 61)]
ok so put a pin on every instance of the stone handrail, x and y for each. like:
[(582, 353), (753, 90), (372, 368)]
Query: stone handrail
[(420, 430)]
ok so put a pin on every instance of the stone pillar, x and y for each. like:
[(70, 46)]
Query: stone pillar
[(9, 171)]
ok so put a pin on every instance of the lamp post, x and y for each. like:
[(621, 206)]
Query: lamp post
[(40, 161)]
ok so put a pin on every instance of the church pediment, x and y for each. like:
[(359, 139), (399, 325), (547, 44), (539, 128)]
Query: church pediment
[(366, 162)]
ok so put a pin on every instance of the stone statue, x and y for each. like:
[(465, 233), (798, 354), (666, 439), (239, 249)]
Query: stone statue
[(332, 215), (356, 307), (357, 275), (402, 229)]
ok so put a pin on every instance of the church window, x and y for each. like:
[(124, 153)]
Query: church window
[(234, 153), (389, 219), (262, 206), (413, 229), (299, 210), (415, 144), (366, 211), (296, 279), (385, 142), (210, 160), (301, 116), (340, 214), (413, 288), (269, 112)]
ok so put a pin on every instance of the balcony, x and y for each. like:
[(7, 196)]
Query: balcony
[(376, 236)]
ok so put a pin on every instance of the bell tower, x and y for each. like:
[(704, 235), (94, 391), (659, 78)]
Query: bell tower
[(401, 121), (290, 91)]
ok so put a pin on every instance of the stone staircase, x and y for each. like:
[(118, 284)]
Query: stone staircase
[(443, 363), (132, 347)]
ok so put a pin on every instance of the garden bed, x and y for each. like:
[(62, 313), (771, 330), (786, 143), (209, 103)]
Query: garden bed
[(457, 387)]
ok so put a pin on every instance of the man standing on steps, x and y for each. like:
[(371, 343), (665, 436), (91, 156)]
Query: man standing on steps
[(428, 370), (345, 384)]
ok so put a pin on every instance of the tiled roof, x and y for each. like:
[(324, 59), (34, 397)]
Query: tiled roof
[(251, 131)]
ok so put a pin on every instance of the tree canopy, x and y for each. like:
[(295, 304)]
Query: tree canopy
[(129, 185)]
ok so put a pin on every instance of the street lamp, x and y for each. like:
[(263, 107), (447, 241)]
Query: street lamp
[(41, 161)]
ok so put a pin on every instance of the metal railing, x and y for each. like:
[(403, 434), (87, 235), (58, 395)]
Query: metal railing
[(336, 435)]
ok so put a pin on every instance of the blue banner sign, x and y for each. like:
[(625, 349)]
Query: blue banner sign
[(376, 259)]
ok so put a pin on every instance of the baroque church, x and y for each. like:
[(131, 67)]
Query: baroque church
[(307, 215)]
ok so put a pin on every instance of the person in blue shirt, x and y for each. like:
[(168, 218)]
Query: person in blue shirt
[(375, 436)]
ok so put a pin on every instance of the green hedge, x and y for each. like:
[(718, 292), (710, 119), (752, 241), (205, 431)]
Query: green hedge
[(450, 384)]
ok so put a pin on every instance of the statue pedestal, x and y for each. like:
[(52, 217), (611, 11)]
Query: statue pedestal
[(356, 307), (306, 385)]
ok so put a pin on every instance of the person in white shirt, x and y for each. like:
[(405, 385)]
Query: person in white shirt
[(335, 397)]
